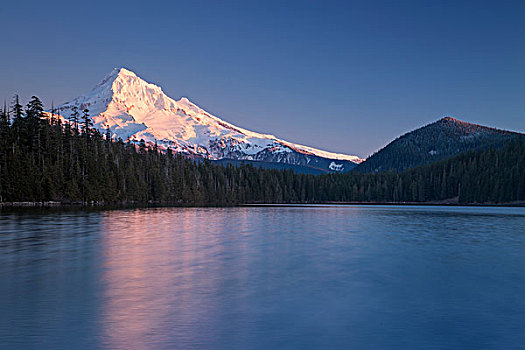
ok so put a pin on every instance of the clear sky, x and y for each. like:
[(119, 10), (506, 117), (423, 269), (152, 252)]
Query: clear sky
[(345, 76)]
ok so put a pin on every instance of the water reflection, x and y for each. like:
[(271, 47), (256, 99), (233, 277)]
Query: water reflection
[(48, 290), (295, 277), (213, 276), (162, 272)]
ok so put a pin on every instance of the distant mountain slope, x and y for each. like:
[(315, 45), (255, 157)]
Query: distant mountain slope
[(136, 110), (440, 140), (298, 169)]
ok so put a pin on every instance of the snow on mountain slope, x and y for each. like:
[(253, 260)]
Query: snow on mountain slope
[(136, 110)]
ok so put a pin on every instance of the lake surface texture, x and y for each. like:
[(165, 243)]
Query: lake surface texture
[(327, 277)]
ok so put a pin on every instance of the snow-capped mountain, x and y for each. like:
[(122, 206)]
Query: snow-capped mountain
[(136, 110)]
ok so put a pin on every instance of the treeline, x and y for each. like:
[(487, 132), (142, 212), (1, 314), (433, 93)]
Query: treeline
[(44, 160)]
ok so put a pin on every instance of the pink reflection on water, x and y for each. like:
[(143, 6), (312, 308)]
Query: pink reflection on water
[(162, 270)]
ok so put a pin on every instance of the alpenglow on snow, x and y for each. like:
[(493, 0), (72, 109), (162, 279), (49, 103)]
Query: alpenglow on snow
[(136, 110)]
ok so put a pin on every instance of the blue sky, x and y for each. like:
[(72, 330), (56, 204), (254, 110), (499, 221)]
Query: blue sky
[(343, 76)]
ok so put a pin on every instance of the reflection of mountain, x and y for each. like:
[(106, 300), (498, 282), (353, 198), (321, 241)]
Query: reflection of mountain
[(161, 275)]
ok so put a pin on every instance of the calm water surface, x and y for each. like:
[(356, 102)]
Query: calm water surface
[(360, 277)]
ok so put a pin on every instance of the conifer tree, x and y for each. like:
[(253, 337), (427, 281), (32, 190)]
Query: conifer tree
[(108, 133), (17, 108), (75, 118), (88, 123), (35, 108), (5, 115)]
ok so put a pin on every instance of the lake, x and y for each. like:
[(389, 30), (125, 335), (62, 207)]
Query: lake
[(330, 277)]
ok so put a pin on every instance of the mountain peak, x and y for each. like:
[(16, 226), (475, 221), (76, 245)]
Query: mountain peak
[(449, 119), (135, 109), (121, 71), (124, 71), (118, 72), (127, 87), (121, 74)]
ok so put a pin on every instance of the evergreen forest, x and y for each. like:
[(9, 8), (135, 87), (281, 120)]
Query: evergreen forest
[(43, 159)]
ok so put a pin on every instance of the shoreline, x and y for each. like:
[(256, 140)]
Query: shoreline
[(130, 205)]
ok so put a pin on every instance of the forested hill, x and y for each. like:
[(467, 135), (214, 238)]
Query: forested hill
[(44, 160), (437, 141)]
